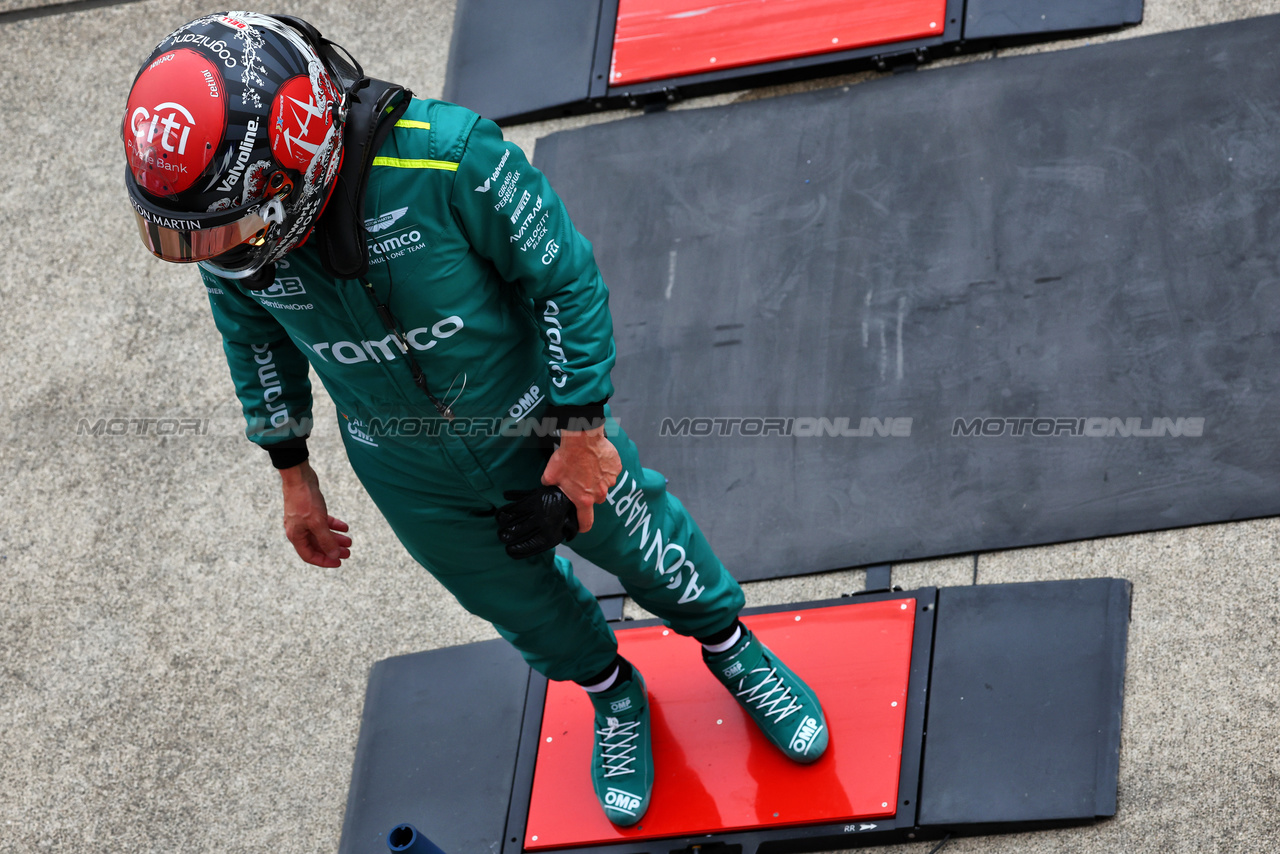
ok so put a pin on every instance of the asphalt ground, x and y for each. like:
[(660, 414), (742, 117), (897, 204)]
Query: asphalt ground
[(172, 677)]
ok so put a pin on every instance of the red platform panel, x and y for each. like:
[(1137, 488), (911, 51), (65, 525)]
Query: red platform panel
[(656, 39), (714, 771)]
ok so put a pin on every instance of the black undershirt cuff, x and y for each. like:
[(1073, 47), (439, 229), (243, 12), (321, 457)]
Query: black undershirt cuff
[(289, 453), (587, 416)]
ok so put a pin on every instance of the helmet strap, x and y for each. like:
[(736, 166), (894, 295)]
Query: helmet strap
[(340, 235), (367, 113)]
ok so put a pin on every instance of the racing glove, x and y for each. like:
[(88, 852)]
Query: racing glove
[(536, 520)]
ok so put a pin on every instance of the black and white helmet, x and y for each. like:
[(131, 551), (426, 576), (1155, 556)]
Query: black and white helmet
[(233, 135)]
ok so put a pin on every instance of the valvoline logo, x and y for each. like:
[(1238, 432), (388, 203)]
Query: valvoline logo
[(174, 121)]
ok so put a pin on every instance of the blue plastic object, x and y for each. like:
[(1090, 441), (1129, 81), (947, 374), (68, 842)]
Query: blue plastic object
[(405, 839)]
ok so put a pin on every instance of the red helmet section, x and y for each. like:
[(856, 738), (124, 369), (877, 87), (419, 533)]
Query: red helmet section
[(301, 120), (175, 121)]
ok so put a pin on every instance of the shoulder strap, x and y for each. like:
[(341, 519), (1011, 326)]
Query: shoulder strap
[(372, 111)]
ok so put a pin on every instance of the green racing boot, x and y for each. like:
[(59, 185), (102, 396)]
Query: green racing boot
[(782, 705), (622, 761)]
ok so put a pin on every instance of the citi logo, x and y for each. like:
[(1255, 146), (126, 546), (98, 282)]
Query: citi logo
[(165, 122), (525, 404), (621, 801), (385, 221), (488, 182), (732, 670), (620, 705), (805, 734)]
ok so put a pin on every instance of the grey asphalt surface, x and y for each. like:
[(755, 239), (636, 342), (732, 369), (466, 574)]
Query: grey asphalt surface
[(173, 678)]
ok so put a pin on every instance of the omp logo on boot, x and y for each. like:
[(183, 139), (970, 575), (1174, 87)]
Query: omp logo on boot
[(384, 221), (621, 801), (805, 734), (620, 705), (732, 670)]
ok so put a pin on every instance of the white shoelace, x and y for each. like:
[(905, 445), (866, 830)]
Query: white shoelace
[(765, 700), (617, 746)]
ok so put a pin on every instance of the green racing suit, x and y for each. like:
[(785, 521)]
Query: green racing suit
[(507, 314)]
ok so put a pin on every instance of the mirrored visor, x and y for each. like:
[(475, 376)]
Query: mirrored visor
[(177, 242)]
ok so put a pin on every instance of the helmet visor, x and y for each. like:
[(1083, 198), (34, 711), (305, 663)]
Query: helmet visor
[(186, 237), (184, 241)]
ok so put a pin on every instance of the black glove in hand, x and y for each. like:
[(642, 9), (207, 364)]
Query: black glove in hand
[(536, 520)]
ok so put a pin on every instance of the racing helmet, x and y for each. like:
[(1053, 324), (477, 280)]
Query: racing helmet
[(233, 136)]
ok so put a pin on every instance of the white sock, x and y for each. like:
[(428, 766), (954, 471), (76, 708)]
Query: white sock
[(603, 685), (721, 647)]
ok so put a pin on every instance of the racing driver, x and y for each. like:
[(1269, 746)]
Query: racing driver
[(432, 279)]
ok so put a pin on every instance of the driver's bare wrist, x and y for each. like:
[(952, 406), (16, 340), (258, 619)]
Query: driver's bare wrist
[(296, 475), (572, 436)]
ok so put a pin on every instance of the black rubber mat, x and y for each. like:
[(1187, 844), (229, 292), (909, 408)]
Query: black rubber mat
[(1050, 285), (993, 19), (1025, 696), (512, 57), (437, 748)]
